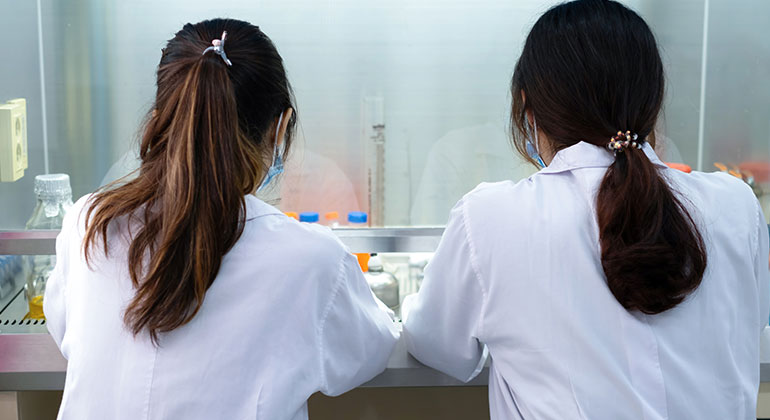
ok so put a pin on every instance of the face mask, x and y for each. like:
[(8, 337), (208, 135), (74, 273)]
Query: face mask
[(276, 166), (533, 147)]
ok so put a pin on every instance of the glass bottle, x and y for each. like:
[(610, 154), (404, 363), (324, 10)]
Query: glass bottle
[(54, 198), (383, 284)]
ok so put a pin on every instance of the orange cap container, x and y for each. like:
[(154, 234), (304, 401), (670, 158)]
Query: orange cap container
[(363, 261), (680, 166), (332, 215), (292, 214)]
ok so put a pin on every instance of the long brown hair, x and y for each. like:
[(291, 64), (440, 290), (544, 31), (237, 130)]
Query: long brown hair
[(207, 143), (590, 68)]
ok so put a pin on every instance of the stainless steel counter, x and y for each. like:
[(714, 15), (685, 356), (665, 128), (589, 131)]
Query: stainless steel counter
[(33, 362)]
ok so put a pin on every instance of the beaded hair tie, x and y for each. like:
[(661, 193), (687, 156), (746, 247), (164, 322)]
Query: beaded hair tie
[(623, 141)]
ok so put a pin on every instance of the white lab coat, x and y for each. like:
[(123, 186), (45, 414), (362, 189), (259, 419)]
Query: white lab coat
[(518, 270), (289, 314)]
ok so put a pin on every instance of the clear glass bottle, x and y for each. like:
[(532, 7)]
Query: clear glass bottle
[(54, 199), (383, 284)]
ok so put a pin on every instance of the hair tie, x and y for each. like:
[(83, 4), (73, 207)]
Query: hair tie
[(218, 46), (622, 141)]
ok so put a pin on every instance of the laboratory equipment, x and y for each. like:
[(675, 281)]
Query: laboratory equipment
[(374, 139), (332, 219), (10, 267), (357, 219), (383, 283), (54, 199), (308, 217)]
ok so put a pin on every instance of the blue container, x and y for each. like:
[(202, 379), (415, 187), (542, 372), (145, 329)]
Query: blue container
[(308, 217), (357, 217)]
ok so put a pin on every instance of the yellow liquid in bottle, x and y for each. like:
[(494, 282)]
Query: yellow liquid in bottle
[(36, 308)]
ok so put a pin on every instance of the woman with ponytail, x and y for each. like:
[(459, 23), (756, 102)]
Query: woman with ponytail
[(178, 294), (605, 286)]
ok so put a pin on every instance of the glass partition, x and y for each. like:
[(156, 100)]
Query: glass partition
[(402, 105)]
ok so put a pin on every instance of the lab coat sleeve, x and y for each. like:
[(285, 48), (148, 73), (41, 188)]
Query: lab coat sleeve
[(54, 301), (762, 270), (356, 337), (444, 325)]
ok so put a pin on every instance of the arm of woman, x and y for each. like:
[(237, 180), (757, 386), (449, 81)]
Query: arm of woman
[(444, 327), (356, 336)]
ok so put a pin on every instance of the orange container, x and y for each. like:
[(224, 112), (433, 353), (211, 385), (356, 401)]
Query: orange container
[(363, 261), (680, 166), (292, 214)]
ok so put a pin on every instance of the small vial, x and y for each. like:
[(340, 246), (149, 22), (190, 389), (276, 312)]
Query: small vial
[(332, 219)]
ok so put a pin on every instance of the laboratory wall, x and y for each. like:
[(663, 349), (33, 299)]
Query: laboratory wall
[(435, 73)]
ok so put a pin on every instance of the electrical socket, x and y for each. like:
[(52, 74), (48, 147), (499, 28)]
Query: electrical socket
[(13, 140)]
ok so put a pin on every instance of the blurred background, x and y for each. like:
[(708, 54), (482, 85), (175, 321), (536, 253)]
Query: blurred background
[(403, 105)]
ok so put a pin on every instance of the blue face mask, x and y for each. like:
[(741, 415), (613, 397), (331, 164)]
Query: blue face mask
[(533, 148), (276, 166)]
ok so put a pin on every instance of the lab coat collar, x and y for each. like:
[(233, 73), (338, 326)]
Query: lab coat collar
[(586, 155), (256, 207)]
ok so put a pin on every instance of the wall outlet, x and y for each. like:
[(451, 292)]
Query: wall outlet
[(13, 140)]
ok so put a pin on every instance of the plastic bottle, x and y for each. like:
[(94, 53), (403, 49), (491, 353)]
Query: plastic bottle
[(383, 284), (357, 219), (332, 219), (54, 199), (308, 217), (10, 267)]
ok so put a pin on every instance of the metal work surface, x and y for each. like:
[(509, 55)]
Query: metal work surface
[(31, 362), (357, 239)]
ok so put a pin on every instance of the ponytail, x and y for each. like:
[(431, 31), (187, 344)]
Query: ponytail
[(197, 166), (588, 69), (651, 250)]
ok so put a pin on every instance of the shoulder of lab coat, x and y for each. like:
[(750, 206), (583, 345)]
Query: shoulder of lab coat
[(54, 302)]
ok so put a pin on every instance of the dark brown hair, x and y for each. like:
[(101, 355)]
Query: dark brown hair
[(590, 68), (207, 143)]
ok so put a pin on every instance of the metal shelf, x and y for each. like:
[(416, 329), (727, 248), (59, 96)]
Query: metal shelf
[(422, 239)]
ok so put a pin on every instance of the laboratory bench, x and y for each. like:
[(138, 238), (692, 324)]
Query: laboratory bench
[(32, 370)]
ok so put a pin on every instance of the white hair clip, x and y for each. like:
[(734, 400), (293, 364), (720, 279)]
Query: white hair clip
[(218, 46)]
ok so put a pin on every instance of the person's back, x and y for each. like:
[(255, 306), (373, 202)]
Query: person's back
[(561, 344), (606, 286), (177, 293)]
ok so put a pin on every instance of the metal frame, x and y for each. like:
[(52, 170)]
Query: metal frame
[(422, 239)]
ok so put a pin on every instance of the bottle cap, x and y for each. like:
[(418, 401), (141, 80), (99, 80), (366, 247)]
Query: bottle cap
[(308, 217), (375, 263), (357, 217), (292, 214), (53, 186), (332, 215)]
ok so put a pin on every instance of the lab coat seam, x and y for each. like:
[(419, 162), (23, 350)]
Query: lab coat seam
[(148, 405), (756, 257), (475, 268), (324, 315)]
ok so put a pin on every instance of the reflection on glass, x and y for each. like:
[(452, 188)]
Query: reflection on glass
[(457, 163), (442, 69), (313, 182)]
